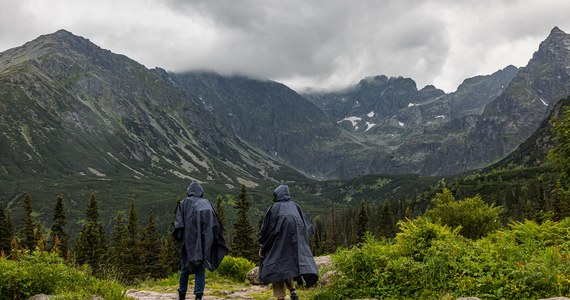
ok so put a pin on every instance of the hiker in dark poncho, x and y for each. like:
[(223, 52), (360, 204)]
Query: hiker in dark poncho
[(202, 245), (284, 246)]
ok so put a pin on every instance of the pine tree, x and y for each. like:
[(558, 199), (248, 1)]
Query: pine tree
[(388, 224), (118, 248), (220, 210), (560, 202), (332, 236), (90, 246), (171, 249), (28, 238), (9, 224), (58, 227), (362, 219), (5, 234), (151, 244), (243, 244), (132, 260)]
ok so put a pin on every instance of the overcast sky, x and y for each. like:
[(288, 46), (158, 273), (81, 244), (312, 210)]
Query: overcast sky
[(312, 43)]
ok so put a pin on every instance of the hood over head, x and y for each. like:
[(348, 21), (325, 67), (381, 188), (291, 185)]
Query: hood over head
[(195, 189), (281, 193)]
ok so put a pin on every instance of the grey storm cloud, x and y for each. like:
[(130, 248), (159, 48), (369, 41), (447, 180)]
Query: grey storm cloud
[(318, 43)]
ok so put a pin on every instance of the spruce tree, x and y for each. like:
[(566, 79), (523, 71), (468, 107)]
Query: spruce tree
[(133, 259), (243, 244), (90, 246), (28, 238), (171, 249), (58, 227), (151, 245), (118, 247), (9, 224), (220, 210), (388, 224), (362, 219), (560, 202), (5, 234)]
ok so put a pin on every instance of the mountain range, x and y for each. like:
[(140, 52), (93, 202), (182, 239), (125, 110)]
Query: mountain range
[(74, 116)]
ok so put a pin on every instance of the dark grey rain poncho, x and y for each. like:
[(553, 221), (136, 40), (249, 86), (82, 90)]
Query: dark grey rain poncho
[(199, 231), (284, 241)]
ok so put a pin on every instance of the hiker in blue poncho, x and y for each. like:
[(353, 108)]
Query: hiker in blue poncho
[(202, 245), (284, 246)]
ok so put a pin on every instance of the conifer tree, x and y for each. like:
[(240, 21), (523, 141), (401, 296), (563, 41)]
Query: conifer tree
[(332, 236), (388, 224), (5, 234), (28, 238), (220, 210), (362, 219), (90, 246), (243, 244), (9, 224), (171, 249), (151, 244), (118, 248), (58, 227), (560, 202), (132, 260)]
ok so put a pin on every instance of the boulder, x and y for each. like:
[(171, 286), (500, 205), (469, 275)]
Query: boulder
[(323, 262), (40, 297), (253, 276)]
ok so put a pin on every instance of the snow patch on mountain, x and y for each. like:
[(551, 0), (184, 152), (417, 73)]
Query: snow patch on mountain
[(369, 126), (353, 120)]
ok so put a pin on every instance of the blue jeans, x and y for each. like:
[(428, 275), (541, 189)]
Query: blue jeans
[(199, 280)]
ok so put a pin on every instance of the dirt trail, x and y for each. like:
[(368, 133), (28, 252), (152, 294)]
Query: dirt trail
[(233, 294)]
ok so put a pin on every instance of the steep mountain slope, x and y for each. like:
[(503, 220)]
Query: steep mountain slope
[(410, 128), (269, 115), (76, 119), (517, 113), (533, 151)]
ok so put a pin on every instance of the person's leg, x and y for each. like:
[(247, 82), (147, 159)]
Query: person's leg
[(291, 287), (183, 283), (279, 289), (199, 282)]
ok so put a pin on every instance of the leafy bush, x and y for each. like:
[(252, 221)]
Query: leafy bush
[(431, 261), (235, 268), (475, 217), (46, 273)]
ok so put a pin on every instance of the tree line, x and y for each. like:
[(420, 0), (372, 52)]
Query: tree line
[(132, 251)]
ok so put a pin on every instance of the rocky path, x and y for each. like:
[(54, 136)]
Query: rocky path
[(237, 294)]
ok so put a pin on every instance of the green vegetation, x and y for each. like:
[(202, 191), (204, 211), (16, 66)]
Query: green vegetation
[(47, 273), (432, 261), (234, 268)]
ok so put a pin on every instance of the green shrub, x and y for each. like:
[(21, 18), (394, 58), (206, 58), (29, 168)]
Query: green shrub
[(46, 273), (475, 217), (235, 268), (431, 261)]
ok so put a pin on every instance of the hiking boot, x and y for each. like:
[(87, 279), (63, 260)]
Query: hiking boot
[(294, 296), (199, 296), (181, 295)]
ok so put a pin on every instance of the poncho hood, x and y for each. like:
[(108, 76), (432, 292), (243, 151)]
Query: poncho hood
[(281, 193), (195, 189)]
